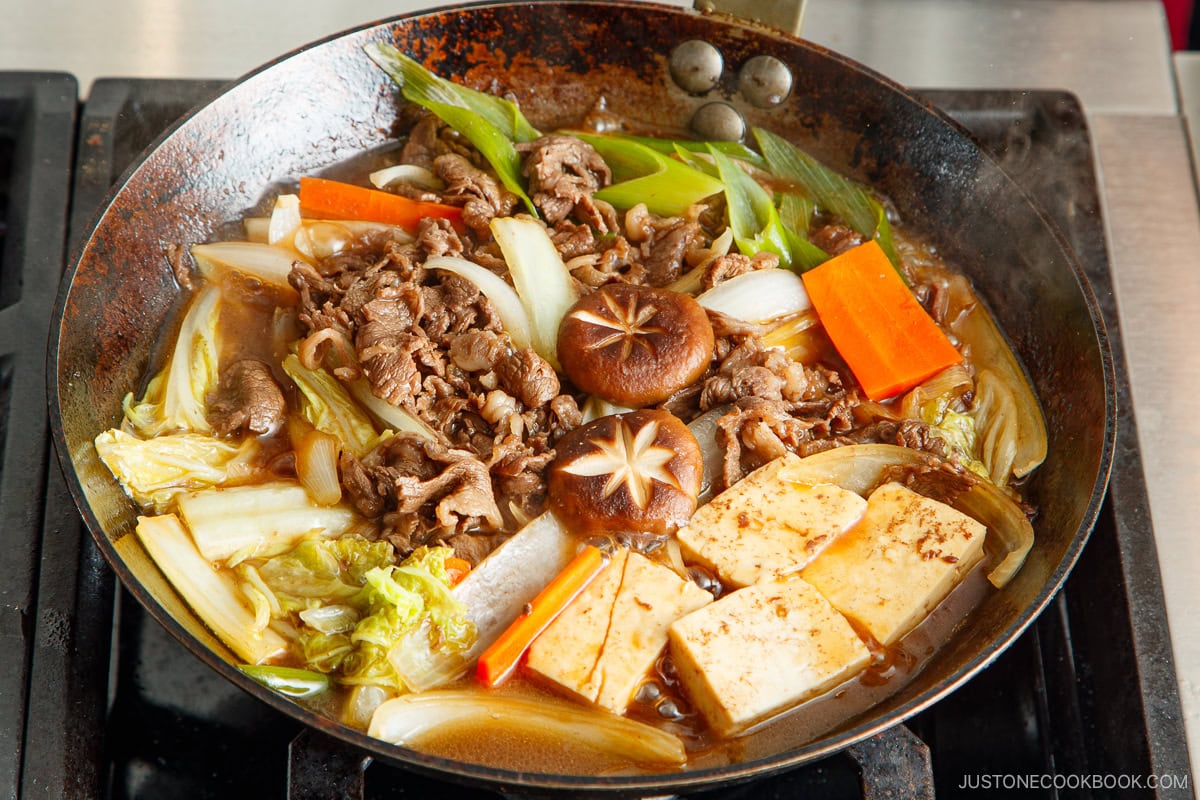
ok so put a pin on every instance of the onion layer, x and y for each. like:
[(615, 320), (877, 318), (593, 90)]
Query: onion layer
[(758, 296), (409, 719)]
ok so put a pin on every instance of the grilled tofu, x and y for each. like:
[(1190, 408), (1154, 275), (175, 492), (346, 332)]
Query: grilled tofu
[(765, 525), (898, 563), (762, 649), (605, 643)]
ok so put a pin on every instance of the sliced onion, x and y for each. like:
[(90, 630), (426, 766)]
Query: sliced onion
[(860, 467), (758, 296), (410, 719), (394, 417), (317, 467), (285, 219), (595, 407), (506, 300), (266, 262), (406, 173), (542, 282)]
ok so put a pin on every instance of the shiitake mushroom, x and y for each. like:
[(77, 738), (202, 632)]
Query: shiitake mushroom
[(634, 345), (639, 471)]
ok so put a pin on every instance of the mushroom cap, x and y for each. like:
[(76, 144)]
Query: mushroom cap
[(635, 345), (639, 471)]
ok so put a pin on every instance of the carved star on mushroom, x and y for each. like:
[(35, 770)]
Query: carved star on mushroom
[(630, 460), (627, 323)]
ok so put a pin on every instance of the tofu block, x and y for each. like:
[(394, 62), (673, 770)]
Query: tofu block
[(895, 566), (765, 526), (605, 643), (763, 649)]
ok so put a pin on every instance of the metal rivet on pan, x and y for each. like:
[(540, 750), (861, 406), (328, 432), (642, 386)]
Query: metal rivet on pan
[(696, 66), (765, 81), (719, 122)]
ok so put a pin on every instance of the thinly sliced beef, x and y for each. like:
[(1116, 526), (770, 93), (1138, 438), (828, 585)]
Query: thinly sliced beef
[(564, 173), (482, 195), (836, 239), (528, 377), (247, 398)]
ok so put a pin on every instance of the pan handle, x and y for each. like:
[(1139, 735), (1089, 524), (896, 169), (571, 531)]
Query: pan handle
[(786, 15)]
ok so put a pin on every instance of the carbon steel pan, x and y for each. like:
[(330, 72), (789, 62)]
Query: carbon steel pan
[(327, 102)]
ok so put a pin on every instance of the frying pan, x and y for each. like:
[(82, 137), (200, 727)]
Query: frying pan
[(327, 103)]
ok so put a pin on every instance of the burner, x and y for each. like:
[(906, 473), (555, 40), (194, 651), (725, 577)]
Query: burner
[(37, 125), (117, 708)]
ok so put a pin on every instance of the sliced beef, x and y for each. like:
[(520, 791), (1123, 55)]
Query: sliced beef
[(455, 306), (478, 351), (437, 237), (481, 194), (247, 398), (663, 252), (563, 174), (835, 239), (731, 265), (935, 478), (528, 377)]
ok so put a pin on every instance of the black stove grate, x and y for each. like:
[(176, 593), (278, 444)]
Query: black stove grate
[(117, 708)]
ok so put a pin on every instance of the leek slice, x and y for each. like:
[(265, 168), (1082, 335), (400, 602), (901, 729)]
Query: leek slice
[(491, 123), (644, 175), (288, 681), (212, 594), (835, 193), (752, 213), (422, 86), (669, 146), (504, 297), (257, 518), (411, 719), (860, 467), (541, 279)]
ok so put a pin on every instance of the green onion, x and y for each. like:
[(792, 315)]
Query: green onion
[(425, 89), (290, 681), (752, 213), (795, 212), (835, 193), (668, 146), (490, 123), (644, 175)]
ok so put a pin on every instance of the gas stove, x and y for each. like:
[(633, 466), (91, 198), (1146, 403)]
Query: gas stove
[(97, 700)]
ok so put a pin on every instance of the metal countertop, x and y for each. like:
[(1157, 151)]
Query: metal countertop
[(1113, 54)]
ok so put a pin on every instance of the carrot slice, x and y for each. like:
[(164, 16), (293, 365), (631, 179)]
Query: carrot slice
[(502, 657), (336, 200), (457, 569), (875, 322)]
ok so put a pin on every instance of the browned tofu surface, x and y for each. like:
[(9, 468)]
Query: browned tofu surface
[(889, 571), (765, 525), (763, 649), (605, 643)]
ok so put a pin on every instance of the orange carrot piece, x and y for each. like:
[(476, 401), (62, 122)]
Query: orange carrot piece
[(336, 200), (457, 569), (502, 657), (875, 322)]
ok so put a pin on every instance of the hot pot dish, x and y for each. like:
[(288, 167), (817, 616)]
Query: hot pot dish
[(514, 433), (624, 440)]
